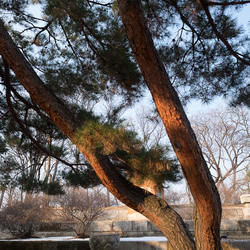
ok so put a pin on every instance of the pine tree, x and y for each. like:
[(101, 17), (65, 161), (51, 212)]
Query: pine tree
[(100, 61)]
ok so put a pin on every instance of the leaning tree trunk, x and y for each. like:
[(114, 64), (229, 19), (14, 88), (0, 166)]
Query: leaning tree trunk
[(183, 140), (154, 208)]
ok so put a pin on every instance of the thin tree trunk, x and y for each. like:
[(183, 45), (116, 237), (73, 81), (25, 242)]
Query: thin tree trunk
[(108, 198), (21, 195), (3, 189), (55, 171), (47, 165), (11, 193)]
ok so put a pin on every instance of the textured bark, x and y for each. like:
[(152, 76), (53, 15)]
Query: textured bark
[(183, 140), (154, 208)]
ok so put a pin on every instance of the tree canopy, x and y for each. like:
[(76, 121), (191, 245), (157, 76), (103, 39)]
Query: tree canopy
[(204, 49)]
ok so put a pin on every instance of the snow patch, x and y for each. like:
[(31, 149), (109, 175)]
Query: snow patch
[(68, 238)]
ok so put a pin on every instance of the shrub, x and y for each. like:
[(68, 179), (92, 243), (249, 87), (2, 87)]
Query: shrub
[(81, 207), (21, 219)]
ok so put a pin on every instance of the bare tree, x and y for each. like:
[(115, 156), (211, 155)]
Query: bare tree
[(225, 142), (176, 197), (21, 219), (81, 207), (149, 126)]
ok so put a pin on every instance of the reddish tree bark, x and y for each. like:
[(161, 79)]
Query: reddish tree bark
[(183, 140), (157, 210)]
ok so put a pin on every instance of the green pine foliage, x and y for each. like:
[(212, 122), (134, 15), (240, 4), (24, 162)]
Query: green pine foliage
[(129, 154), (80, 50), (95, 54), (83, 48), (81, 177), (198, 63)]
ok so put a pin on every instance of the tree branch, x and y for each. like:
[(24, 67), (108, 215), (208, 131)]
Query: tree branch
[(227, 3), (17, 119), (220, 35), (42, 29)]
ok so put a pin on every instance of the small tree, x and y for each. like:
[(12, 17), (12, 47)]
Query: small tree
[(225, 142), (81, 207), (21, 219)]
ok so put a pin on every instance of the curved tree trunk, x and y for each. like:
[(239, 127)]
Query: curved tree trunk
[(183, 140), (154, 208)]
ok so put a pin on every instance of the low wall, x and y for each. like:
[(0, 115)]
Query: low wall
[(240, 211), (235, 223), (229, 212), (124, 245), (233, 229), (44, 245)]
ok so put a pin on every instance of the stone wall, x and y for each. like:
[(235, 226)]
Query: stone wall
[(235, 222), (239, 211), (229, 212), (233, 229)]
